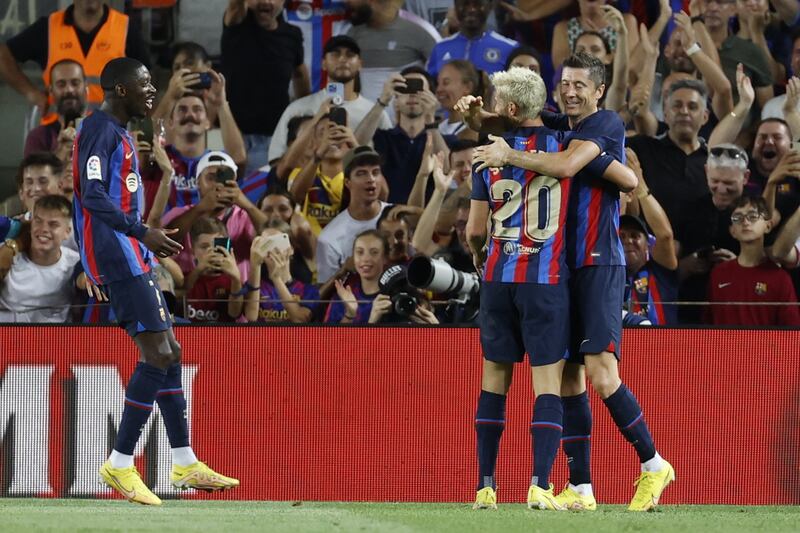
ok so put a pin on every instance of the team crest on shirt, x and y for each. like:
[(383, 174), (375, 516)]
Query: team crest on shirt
[(162, 314), (761, 288), (492, 55), (132, 182), (93, 171), (640, 285)]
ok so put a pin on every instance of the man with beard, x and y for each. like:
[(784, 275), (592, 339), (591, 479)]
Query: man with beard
[(342, 62), (487, 50), (68, 89), (87, 32), (189, 123), (261, 54), (403, 146), (773, 140), (398, 235), (389, 41)]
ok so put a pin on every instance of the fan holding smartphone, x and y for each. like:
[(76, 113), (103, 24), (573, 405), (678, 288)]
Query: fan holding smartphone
[(272, 294)]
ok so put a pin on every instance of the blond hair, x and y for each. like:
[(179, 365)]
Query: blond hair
[(523, 87)]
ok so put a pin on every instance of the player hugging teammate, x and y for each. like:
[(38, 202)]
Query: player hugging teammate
[(553, 278)]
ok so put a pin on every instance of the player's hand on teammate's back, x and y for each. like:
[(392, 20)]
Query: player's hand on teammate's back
[(493, 155), (159, 243)]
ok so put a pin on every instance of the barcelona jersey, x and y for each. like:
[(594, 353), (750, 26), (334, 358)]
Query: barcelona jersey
[(528, 214), (593, 221), (108, 201)]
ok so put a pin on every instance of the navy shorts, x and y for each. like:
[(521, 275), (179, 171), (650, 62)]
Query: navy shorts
[(516, 318), (596, 294), (138, 304)]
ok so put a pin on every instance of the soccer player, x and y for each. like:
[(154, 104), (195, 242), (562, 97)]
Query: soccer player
[(597, 284), (117, 254), (524, 297)]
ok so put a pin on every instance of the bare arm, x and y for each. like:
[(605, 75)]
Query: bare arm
[(13, 75), (162, 194), (303, 238), (784, 250), (731, 124), (232, 139), (617, 92), (235, 13), (791, 107), (474, 116), (369, 124), (560, 47), (417, 195), (787, 10), (252, 300), (644, 121), (528, 10), (476, 232), (423, 234), (297, 151)]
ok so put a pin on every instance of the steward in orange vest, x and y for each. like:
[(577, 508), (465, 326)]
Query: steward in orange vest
[(63, 43)]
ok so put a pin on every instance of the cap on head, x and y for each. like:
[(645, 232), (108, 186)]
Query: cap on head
[(216, 159), (341, 41), (633, 222), (360, 155)]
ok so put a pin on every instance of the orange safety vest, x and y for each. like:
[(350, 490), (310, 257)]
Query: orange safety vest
[(63, 43)]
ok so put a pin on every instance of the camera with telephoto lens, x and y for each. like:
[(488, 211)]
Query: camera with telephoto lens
[(394, 283), (459, 288)]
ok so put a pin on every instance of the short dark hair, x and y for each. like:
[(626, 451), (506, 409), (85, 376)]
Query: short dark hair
[(293, 126), (774, 119), (378, 235), (121, 70), (386, 213), (597, 34), (693, 85), (54, 202), (39, 159), (416, 69), (523, 50), (206, 225), (191, 49), (758, 202), (278, 189), (582, 60)]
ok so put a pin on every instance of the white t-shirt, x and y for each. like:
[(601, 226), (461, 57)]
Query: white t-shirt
[(774, 108), (335, 241), (32, 293), (309, 105)]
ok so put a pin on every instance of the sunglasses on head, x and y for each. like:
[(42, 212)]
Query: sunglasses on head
[(733, 153)]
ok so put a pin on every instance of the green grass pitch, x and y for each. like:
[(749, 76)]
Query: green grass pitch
[(93, 515)]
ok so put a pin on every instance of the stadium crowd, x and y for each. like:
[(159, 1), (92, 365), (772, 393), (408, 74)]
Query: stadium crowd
[(303, 186)]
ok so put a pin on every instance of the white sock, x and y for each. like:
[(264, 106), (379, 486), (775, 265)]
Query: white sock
[(584, 489), (120, 460), (183, 456), (653, 465)]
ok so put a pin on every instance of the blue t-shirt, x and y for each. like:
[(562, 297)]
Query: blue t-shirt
[(487, 52)]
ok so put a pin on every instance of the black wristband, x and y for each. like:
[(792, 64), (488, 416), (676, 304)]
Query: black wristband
[(380, 102), (432, 126), (698, 18)]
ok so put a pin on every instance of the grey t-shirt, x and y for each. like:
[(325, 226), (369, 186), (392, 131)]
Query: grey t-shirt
[(390, 49)]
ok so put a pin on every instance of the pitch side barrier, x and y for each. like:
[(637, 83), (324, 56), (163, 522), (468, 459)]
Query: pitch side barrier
[(386, 413)]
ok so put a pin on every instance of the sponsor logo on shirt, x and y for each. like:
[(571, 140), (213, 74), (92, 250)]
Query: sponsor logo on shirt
[(512, 248), (761, 288), (132, 182)]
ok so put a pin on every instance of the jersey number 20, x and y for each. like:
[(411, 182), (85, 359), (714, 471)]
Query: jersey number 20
[(540, 202)]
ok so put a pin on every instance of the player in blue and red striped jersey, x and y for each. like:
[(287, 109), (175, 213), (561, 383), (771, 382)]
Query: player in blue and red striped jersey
[(524, 295), (597, 283), (117, 252)]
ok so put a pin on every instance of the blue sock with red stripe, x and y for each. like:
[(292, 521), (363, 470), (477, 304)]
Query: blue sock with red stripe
[(490, 420), (140, 394), (629, 418), (172, 404), (577, 437), (546, 429)]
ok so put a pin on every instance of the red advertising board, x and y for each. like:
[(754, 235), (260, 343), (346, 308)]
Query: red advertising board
[(386, 414)]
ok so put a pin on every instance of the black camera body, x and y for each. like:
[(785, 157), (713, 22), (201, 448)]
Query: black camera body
[(394, 283)]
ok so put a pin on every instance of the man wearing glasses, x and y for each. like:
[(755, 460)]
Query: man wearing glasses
[(752, 276)]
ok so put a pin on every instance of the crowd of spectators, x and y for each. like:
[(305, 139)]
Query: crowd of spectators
[(303, 184)]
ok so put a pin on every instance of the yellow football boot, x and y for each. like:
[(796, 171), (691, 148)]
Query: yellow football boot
[(128, 482), (649, 487), (571, 500), (538, 498), (199, 476), (486, 498)]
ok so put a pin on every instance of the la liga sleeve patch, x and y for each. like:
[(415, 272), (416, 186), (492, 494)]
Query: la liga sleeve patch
[(93, 171)]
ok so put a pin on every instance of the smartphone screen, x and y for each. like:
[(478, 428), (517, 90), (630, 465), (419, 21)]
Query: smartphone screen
[(222, 242), (335, 92)]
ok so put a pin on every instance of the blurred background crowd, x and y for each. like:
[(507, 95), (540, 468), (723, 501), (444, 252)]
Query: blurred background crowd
[(310, 157)]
